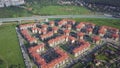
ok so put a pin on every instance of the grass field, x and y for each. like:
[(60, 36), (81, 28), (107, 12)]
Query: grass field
[(9, 48), (13, 12), (61, 10), (45, 10)]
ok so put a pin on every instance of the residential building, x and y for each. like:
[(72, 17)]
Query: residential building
[(96, 39), (7, 3)]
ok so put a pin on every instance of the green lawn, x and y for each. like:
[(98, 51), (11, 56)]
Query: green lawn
[(61, 10), (102, 57), (9, 47), (3, 63), (78, 65), (13, 12), (44, 10)]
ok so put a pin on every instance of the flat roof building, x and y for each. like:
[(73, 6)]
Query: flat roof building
[(7, 3)]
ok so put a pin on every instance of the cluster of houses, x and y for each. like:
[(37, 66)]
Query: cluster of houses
[(36, 52), (62, 32), (83, 46), (7, 3)]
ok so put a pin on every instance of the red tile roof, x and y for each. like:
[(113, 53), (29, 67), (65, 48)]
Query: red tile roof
[(79, 26), (115, 35), (51, 22), (57, 39), (25, 26), (71, 38), (54, 28), (33, 49), (80, 34), (89, 29), (81, 47), (42, 62), (44, 26), (49, 34), (66, 31), (68, 26), (29, 38), (96, 38)]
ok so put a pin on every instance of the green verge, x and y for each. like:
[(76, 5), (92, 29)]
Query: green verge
[(13, 12), (44, 10), (9, 47), (61, 10)]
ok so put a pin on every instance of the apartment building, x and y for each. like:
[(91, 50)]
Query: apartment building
[(7, 3)]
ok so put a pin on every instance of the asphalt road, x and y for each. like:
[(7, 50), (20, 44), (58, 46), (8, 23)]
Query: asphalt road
[(54, 16)]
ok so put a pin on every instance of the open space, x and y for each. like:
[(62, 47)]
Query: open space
[(62, 10), (9, 47)]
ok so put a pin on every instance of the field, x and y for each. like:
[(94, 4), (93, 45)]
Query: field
[(13, 12), (9, 48), (61, 10), (45, 10), (42, 7)]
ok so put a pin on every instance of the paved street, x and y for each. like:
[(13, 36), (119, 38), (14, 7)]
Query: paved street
[(54, 16), (24, 51)]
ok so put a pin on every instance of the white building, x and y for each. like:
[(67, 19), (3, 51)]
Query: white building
[(1, 3), (7, 3)]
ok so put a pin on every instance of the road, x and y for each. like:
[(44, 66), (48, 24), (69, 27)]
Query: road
[(54, 16), (24, 50)]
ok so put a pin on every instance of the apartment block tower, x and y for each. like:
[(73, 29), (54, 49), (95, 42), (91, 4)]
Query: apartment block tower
[(7, 3)]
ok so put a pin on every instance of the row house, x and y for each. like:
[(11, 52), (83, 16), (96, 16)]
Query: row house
[(55, 29), (102, 31), (60, 61), (96, 39), (44, 27), (55, 63), (89, 25), (57, 40), (66, 32), (80, 26), (81, 49), (25, 26), (52, 23), (114, 30), (36, 30), (68, 26), (45, 36), (37, 49), (62, 22), (27, 36), (43, 31), (71, 39), (89, 31), (72, 22), (115, 36), (80, 35)]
